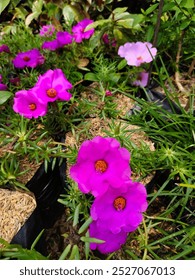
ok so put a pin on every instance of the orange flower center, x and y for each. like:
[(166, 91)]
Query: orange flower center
[(51, 92), (119, 203), (101, 166), (32, 106), (26, 58)]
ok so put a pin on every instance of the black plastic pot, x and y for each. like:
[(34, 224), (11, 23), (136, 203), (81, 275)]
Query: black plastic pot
[(47, 187), (151, 95)]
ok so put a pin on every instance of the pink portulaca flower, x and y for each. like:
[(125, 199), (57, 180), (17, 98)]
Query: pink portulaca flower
[(142, 79), (47, 30), (79, 32), (4, 48), (51, 45), (101, 162), (112, 243), (52, 86), (27, 104), (64, 38), (31, 58), (120, 209), (137, 53)]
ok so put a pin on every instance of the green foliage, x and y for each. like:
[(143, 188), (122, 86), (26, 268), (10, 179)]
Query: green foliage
[(5, 95), (3, 5)]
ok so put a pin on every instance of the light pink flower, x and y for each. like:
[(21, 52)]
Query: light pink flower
[(137, 53), (142, 79), (47, 30)]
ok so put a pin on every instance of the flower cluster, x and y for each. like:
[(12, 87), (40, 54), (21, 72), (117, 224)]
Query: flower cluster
[(136, 54), (65, 38), (102, 168), (33, 58), (51, 86)]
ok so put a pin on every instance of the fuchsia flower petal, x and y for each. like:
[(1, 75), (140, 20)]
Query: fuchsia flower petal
[(112, 243), (52, 86), (51, 45), (79, 32), (100, 162), (31, 58), (64, 38), (27, 104), (137, 53), (120, 209)]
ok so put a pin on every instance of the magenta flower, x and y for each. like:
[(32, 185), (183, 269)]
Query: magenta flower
[(4, 48), (101, 162), (64, 38), (27, 104), (120, 209), (79, 32), (142, 79), (47, 30), (51, 45), (2, 87), (31, 58), (53, 85), (137, 53), (112, 243), (108, 93), (107, 41)]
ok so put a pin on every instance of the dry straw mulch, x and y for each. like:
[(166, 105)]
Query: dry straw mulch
[(15, 208)]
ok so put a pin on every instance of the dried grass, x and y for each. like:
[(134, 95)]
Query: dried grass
[(15, 208)]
